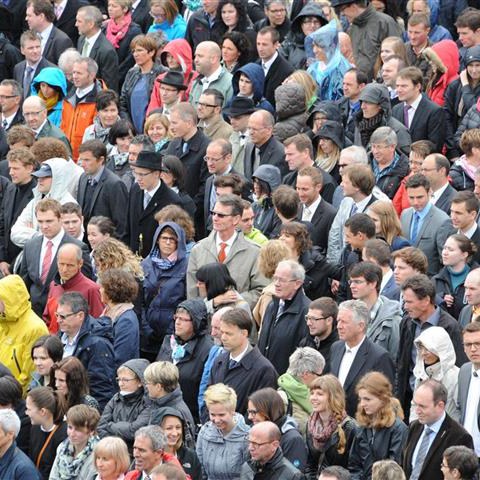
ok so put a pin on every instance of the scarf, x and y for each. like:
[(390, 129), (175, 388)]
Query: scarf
[(117, 310), (119, 159), (470, 170), (320, 432), (327, 163), (51, 101), (116, 32), (367, 126), (163, 263), (69, 467), (178, 350), (99, 131)]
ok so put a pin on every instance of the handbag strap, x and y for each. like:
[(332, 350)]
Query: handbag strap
[(45, 445)]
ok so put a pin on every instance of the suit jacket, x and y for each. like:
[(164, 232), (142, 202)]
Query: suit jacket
[(321, 222), (391, 289), (274, 154), (370, 357), (19, 72), (57, 43), (66, 22), (465, 316), (110, 199), (431, 236), (141, 225), (277, 73), (445, 201), (107, 60), (464, 378), (17, 119), (30, 269), (428, 122), (51, 130), (141, 15), (450, 433)]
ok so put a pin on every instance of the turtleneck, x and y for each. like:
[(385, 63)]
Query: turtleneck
[(458, 278)]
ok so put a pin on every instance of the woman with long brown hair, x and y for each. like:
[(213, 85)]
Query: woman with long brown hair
[(382, 433)]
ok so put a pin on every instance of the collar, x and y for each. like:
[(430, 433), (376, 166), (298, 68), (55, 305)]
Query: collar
[(55, 240), (32, 65), (135, 4), (242, 354), (82, 92), (10, 118), (46, 33), (362, 204), (438, 193), (469, 233), (432, 320), (435, 426), (154, 190), (41, 127), (376, 307), (475, 373), (423, 213), (386, 278), (73, 342), (416, 102), (91, 40), (214, 76), (355, 349), (97, 176), (313, 207), (269, 63), (229, 242)]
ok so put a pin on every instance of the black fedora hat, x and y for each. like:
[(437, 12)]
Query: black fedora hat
[(149, 160), (240, 106), (174, 79)]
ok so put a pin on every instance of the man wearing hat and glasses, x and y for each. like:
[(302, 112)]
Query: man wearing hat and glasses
[(171, 88), (238, 113), (147, 196)]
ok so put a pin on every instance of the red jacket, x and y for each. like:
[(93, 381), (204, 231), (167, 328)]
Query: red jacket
[(167, 458)]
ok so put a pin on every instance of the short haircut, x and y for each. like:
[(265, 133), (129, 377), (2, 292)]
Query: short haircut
[(369, 271), (297, 270), (70, 207), (92, 66), (419, 19), (10, 392), (361, 223), (114, 448), (164, 373), (326, 305), (439, 391), (422, 147), (273, 32), (286, 201), (413, 257), (83, 416), (314, 173), (232, 201), (49, 204), (359, 309), (441, 162), (305, 360), (413, 74), (230, 180), (469, 140), (239, 318), (145, 141), (221, 394), (463, 459), (119, 285), (418, 180), (20, 134), (468, 197), (96, 147), (17, 89), (361, 77), (186, 112), (76, 301), (421, 286), (51, 344), (361, 177), (92, 14), (357, 153), (225, 145), (9, 421), (155, 433), (49, 147), (302, 142), (105, 225), (384, 135), (469, 18), (379, 250), (472, 327), (339, 473), (29, 36), (22, 155), (120, 129), (45, 7), (387, 470), (218, 96), (144, 41), (105, 98)]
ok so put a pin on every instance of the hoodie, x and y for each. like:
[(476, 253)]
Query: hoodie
[(330, 109), (333, 131), (26, 225), (437, 341), (55, 78)]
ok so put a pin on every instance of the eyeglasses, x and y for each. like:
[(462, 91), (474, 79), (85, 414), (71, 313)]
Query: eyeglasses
[(309, 318), (64, 316), (423, 169), (256, 444), (221, 215), (282, 281), (33, 114), (181, 319), (211, 159), (125, 380), (141, 175), (252, 412), (356, 282), (379, 147), (168, 239), (470, 346), (277, 11), (5, 97), (313, 21), (201, 104)]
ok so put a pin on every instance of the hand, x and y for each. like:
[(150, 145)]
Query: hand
[(464, 78), (448, 299), (5, 268), (228, 297), (335, 286)]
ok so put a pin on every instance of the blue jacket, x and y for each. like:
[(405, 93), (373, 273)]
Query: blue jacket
[(54, 77), (15, 465), (176, 30), (255, 73), (163, 288), (126, 337)]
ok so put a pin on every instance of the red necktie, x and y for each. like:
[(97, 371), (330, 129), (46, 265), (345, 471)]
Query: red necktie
[(222, 255), (47, 261)]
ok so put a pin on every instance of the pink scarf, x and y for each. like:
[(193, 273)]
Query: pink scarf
[(116, 33)]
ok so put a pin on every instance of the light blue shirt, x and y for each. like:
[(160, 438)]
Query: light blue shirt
[(435, 427), (422, 215)]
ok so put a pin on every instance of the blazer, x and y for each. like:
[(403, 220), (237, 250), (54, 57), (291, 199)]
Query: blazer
[(141, 15), (107, 60), (274, 154), (465, 316), (19, 72), (17, 120), (277, 73), (110, 199), (370, 357), (428, 122), (431, 237), (57, 43), (445, 201), (450, 433), (391, 289), (141, 225), (66, 22), (30, 269), (321, 222), (464, 378)]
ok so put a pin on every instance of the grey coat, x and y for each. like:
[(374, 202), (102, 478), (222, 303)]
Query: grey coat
[(464, 378), (384, 329)]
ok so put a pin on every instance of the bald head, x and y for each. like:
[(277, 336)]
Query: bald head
[(207, 58), (269, 430), (34, 111), (69, 261), (215, 324), (263, 441)]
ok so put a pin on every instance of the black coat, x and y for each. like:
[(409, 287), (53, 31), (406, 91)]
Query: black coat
[(198, 29), (323, 347), (370, 357), (450, 433), (10, 56), (390, 182), (321, 223), (277, 73), (67, 19), (141, 15), (57, 43), (277, 468), (280, 337), (273, 153), (445, 201), (141, 224)]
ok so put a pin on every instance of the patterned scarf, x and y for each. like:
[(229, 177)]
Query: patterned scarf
[(116, 32), (320, 432), (367, 126), (69, 466), (163, 263)]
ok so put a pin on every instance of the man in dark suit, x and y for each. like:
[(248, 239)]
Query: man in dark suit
[(354, 354), (423, 118), (468, 399), (10, 104), (94, 44), (431, 434), (40, 17), (39, 262), (147, 196), (275, 67), (66, 16), (21, 164), (100, 191), (263, 148)]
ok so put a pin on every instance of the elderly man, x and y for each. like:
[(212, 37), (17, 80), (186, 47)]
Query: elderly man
[(212, 74), (354, 354), (471, 311), (266, 457), (284, 324)]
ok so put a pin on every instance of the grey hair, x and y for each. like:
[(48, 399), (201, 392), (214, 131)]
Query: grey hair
[(358, 154), (68, 58), (298, 272), (92, 66), (9, 421), (92, 14), (16, 87), (387, 470), (268, 3), (384, 135), (186, 112), (305, 360), (267, 118), (78, 250), (359, 308), (156, 435)]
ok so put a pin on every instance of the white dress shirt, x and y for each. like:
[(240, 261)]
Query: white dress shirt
[(266, 65), (470, 422), (437, 194), (435, 427), (347, 361), (229, 243), (309, 212), (56, 244), (469, 233), (45, 34), (91, 42)]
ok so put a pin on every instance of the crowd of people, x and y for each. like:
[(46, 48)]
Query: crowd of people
[(239, 239)]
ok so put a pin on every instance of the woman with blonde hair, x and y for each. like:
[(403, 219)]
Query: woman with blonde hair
[(387, 470), (112, 253), (308, 83), (390, 46), (271, 254), (330, 431), (167, 19), (111, 459), (387, 224), (382, 433), (156, 127)]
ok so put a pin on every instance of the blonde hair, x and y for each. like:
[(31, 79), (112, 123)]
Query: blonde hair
[(124, 4), (112, 253), (307, 82), (156, 118), (389, 222), (271, 254), (221, 394), (164, 373), (115, 448), (398, 47)]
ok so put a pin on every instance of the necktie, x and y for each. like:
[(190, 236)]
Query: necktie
[(58, 11), (85, 49), (354, 209), (222, 254), (281, 309), (47, 261), (185, 147), (406, 121), (422, 453), (27, 80), (146, 199), (265, 69), (416, 220), (4, 124), (232, 364), (256, 158)]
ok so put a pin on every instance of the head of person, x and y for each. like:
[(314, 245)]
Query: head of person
[(387, 470), (418, 296), (387, 223), (72, 219), (10, 97), (120, 135), (373, 100), (288, 279), (334, 473), (407, 262), (392, 46), (308, 83), (354, 81), (21, 164), (30, 46), (235, 46), (459, 463), (183, 121), (117, 286), (69, 377), (147, 169), (268, 42), (46, 351), (352, 155), (72, 310), (112, 253), (107, 103), (98, 229), (46, 148), (11, 393), (429, 400), (190, 319), (9, 429), (148, 448), (472, 61), (297, 238), (163, 10), (306, 364), (409, 84), (470, 143), (298, 151), (130, 376), (209, 105), (39, 14), (218, 156), (144, 49), (434, 347), (69, 261), (384, 142), (260, 127), (48, 213), (286, 203), (89, 20), (248, 217), (352, 320), (471, 342), (84, 72), (157, 126), (265, 405), (321, 317), (221, 402), (66, 61), (418, 191), (207, 57), (174, 213), (214, 279), (472, 287), (235, 328), (117, 9), (365, 280), (228, 184), (263, 441), (45, 405), (168, 239), (226, 214), (20, 136), (390, 68), (419, 150), (111, 457), (468, 28), (357, 180), (239, 112), (82, 422), (215, 331), (358, 229), (458, 250), (418, 30), (161, 378), (34, 111), (436, 168), (171, 87), (377, 251), (276, 12), (168, 471), (271, 254)]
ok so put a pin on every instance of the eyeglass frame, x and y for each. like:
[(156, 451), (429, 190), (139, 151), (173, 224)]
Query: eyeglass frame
[(215, 160)]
